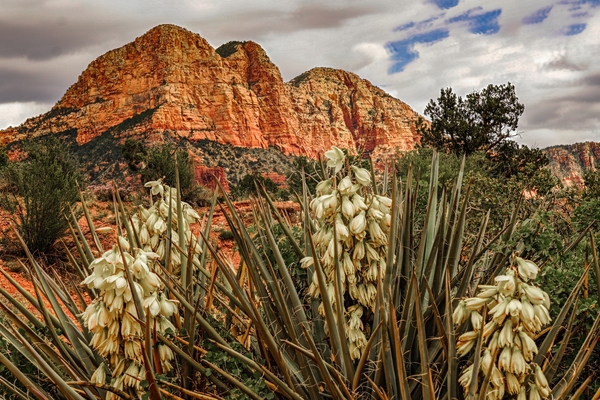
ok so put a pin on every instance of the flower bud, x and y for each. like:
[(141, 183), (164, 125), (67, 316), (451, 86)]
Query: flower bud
[(541, 382), (359, 202), (362, 176), (466, 376), (476, 320), (512, 384), (507, 284), (534, 394), (534, 294), (542, 313), (528, 346), (517, 362), (345, 185), (504, 359), (336, 158), (475, 303), (358, 224), (124, 243), (460, 313), (513, 308), (348, 209), (527, 269), (324, 187), (506, 335)]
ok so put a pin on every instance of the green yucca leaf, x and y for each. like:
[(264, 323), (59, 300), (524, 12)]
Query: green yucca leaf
[(86, 246), (193, 363), (334, 333), (65, 322), (205, 325), (249, 392), (552, 366), (124, 220), (64, 388), (283, 224), (476, 360), (90, 222), (333, 388), (289, 392), (31, 387), (14, 389), (365, 355), (386, 347), (82, 254)]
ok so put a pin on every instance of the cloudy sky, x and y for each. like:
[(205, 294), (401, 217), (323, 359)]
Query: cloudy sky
[(550, 50)]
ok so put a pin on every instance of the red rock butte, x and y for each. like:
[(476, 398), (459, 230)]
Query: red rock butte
[(171, 81)]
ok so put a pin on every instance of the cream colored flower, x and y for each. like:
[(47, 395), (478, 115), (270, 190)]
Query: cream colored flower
[(362, 176), (336, 158)]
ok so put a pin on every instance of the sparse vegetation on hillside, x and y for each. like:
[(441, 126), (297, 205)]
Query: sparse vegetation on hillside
[(227, 49), (42, 190)]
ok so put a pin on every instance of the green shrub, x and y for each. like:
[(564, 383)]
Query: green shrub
[(247, 186), (158, 161), (226, 235), (44, 189)]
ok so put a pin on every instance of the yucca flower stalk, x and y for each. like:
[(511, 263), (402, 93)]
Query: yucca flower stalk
[(361, 220), (517, 311), (113, 317)]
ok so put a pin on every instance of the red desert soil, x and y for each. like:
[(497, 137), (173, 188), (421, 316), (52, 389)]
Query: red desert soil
[(103, 215)]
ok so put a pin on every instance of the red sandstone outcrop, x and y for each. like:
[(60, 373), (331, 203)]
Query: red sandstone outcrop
[(171, 81), (569, 162), (206, 176)]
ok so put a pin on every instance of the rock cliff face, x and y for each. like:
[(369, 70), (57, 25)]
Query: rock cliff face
[(569, 162), (171, 82)]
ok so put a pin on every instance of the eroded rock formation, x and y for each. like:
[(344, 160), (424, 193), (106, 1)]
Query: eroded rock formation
[(173, 82)]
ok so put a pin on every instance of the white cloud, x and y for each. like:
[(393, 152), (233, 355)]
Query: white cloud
[(14, 114)]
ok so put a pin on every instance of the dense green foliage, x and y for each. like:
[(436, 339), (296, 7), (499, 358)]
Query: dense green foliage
[(294, 175), (480, 121), (43, 189), (158, 161), (248, 186)]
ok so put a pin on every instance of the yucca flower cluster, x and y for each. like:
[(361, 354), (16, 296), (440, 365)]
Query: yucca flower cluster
[(362, 221), (152, 224), (517, 311), (112, 316)]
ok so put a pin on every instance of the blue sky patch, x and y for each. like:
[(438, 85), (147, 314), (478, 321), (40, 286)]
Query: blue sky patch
[(575, 29), (485, 23), (404, 27), (537, 16), (445, 4), (426, 23), (403, 51)]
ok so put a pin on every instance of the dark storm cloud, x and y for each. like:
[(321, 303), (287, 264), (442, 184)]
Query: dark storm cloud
[(578, 109), (564, 64), (42, 55), (52, 33), (256, 23)]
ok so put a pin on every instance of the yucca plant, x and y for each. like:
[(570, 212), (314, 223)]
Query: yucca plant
[(403, 342)]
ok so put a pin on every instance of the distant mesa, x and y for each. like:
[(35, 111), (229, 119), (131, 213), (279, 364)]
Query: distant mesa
[(170, 84)]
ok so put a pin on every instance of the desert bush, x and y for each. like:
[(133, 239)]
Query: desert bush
[(248, 186), (158, 162), (226, 235), (45, 189), (105, 192)]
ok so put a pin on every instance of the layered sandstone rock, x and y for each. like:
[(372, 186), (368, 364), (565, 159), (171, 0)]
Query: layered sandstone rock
[(172, 82), (569, 162)]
